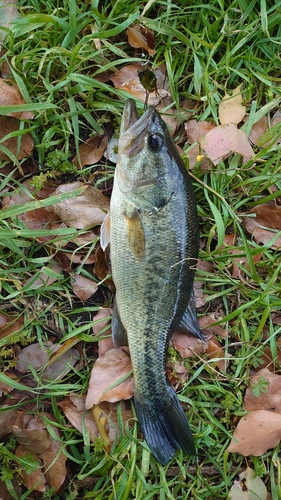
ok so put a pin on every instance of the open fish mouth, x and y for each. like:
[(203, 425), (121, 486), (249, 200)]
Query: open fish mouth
[(134, 130)]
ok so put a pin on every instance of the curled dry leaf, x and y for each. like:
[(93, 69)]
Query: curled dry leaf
[(224, 140), (83, 211), (208, 326), (141, 37), (91, 151), (231, 109), (269, 400), (249, 487), (54, 461), (265, 226), (8, 125), (74, 409), (256, 433), (107, 371), (83, 287)]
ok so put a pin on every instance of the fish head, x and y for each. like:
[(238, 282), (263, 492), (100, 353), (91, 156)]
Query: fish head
[(145, 148)]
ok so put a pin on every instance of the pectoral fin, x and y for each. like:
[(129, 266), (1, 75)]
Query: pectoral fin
[(105, 232), (119, 334), (136, 234), (189, 321)]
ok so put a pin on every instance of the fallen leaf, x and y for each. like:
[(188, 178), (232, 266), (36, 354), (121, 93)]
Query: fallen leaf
[(106, 372), (269, 400), (265, 226), (188, 346), (81, 419), (208, 326), (231, 109), (195, 131), (34, 479), (9, 13), (249, 487), (83, 211), (91, 151), (54, 461), (257, 131), (103, 327), (22, 149), (222, 141), (10, 96), (215, 352), (177, 374), (10, 323), (36, 356), (44, 278), (256, 433), (83, 287), (141, 37), (127, 78)]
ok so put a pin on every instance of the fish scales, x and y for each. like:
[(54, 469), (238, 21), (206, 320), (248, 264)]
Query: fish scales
[(154, 241)]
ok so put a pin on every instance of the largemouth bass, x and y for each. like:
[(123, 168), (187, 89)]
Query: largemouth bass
[(154, 240)]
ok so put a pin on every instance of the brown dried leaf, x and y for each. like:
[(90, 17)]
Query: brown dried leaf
[(83, 287), (9, 13), (44, 278), (256, 433), (249, 487), (141, 37), (91, 151), (177, 374), (269, 400), (54, 461), (37, 357), (7, 418), (8, 125), (187, 345), (35, 441), (34, 479), (11, 96), (104, 318), (215, 351), (108, 370), (82, 211), (231, 109), (10, 323), (74, 409), (197, 130), (265, 225), (224, 140), (127, 79), (257, 130), (206, 324)]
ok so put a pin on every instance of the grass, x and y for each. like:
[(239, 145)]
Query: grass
[(209, 48)]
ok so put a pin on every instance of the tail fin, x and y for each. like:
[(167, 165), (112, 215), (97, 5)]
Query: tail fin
[(165, 427)]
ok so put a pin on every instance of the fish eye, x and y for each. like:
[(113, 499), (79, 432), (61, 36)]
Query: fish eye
[(155, 142)]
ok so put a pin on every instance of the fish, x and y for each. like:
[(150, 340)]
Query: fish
[(153, 232)]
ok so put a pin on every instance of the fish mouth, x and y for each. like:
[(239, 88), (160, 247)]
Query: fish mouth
[(134, 130)]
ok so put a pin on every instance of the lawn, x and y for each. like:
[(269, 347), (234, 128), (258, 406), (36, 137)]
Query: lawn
[(66, 69)]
